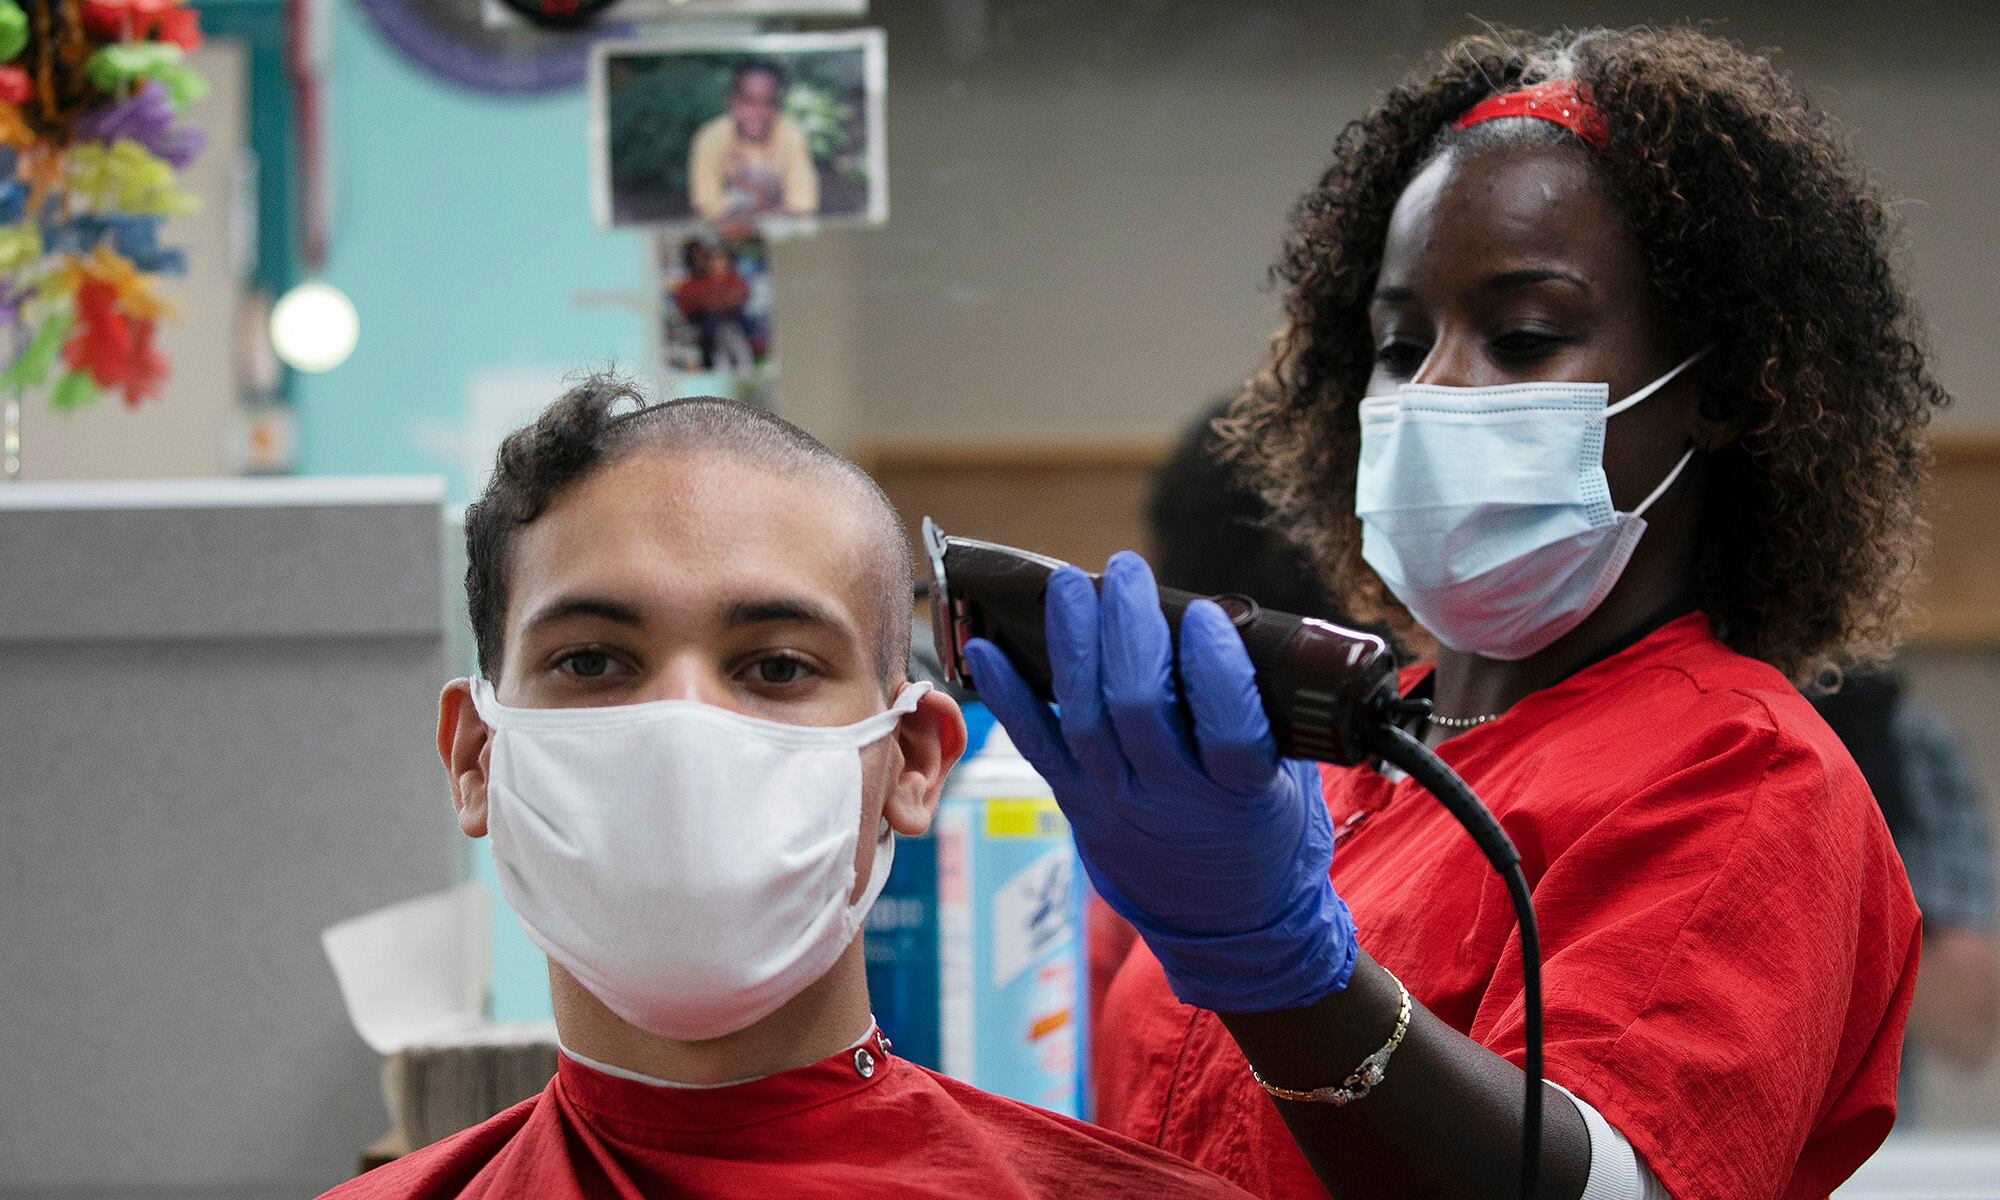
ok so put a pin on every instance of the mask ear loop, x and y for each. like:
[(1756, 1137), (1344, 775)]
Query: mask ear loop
[(1665, 483), (1614, 409), (904, 704)]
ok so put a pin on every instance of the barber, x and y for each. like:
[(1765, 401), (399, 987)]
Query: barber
[(1596, 377)]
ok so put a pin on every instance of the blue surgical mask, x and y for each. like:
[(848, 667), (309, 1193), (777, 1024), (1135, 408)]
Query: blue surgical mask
[(1486, 510)]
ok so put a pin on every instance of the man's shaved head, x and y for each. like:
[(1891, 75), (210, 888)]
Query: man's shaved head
[(581, 434)]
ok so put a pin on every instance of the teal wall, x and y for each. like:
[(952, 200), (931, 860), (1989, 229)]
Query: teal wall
[(461, 231), (260, 26)]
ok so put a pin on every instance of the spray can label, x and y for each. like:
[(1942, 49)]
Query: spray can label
[(1010, 949)]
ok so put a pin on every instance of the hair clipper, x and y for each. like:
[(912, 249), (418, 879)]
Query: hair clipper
[(1326, 689)]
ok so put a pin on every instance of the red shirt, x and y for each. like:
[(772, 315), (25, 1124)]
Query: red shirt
[(720, 291), (823, 1130), (1728, 937)]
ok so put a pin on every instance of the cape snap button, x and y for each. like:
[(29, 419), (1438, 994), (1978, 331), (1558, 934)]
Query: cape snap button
[(864, 1063)]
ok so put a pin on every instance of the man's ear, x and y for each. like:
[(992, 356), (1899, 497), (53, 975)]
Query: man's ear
[(464, 743), (931, 738)]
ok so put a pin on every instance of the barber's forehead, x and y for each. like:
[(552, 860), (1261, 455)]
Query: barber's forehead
[(1540, 194), (1507, 207)]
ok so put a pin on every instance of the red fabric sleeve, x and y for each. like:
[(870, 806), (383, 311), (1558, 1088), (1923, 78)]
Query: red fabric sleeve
[(1110, 940), (1689, 937)]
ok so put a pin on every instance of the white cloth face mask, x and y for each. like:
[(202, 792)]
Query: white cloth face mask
[(690, 866), (1486, 510)]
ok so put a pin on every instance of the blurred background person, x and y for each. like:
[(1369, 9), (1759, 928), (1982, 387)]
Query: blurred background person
[(1210, 532), (1915, 763)]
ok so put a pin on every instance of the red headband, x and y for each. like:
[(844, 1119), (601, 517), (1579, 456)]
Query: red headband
[(1559, 101)]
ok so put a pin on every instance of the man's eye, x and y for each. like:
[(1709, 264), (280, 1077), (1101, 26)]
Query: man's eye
[(778, 670), (587, 664)]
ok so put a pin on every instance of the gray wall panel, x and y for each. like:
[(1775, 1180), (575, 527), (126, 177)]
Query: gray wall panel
[(306, 570), (188, 817), (182, 815)]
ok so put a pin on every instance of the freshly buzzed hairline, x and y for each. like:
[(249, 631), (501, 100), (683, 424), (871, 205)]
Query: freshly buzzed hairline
[(713, 424), (604, 420)]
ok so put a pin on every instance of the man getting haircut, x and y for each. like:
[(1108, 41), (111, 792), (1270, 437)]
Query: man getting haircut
[(694, 742)]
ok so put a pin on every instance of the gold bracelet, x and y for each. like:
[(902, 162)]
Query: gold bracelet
[(1365, 1077)]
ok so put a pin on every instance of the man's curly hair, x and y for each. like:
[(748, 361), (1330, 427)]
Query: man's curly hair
[(1762, 239), (605, 419)]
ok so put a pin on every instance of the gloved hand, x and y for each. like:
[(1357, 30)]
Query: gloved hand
[(1211, 846)]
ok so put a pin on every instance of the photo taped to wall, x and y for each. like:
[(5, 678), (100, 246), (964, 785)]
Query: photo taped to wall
[(783, 131)]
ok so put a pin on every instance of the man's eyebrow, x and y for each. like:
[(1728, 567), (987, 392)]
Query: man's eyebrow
[(1394, 295), (765, 610), (565, 607)]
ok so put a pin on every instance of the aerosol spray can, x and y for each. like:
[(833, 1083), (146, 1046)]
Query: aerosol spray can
[(1011, 946)]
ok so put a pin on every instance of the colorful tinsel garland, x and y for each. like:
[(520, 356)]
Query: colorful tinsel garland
[(92, 99)]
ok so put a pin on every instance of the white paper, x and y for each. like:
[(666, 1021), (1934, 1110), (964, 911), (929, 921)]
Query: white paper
[(414, 973)]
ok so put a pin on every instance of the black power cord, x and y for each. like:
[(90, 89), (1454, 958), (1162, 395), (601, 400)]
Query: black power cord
[(1396, 746)]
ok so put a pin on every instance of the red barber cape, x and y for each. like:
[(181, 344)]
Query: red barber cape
[(860, 1123), (1728, 937)]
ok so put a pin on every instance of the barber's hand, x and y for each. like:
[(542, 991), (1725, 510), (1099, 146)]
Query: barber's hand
[(1214, 848)]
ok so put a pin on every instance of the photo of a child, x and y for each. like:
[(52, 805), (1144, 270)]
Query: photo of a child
[(772, 129), (715, 300)]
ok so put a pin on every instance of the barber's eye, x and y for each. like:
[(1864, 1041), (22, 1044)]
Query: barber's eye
[(1525, 345), (778, 670), (587, 664), (1400, 358)]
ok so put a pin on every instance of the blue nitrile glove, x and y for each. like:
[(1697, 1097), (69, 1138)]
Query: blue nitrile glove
[(1215, 849)]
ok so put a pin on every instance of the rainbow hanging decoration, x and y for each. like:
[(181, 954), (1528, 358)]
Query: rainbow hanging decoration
[(93, 97)]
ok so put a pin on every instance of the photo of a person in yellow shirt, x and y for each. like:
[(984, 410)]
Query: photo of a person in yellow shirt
[(782, 132), (752, 160)]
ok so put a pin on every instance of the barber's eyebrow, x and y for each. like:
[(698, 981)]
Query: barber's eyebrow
[(1527, 277), (565, 607), (1502, 282)]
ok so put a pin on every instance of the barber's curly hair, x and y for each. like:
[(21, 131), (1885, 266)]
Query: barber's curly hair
[(1762, 238)]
